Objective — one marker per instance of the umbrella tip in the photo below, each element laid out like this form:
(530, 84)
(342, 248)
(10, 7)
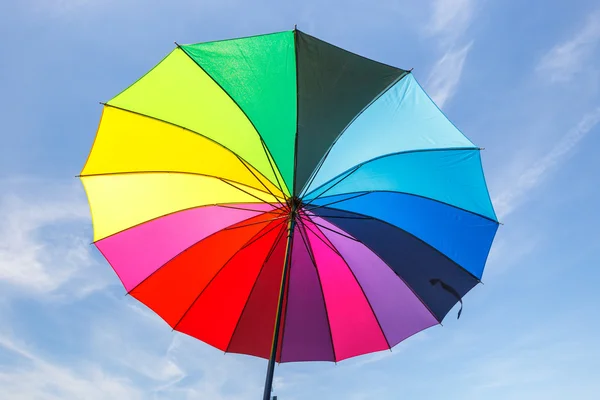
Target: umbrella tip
(295, 27)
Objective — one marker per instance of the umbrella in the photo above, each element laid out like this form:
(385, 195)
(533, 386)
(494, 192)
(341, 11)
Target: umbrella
(280, 197)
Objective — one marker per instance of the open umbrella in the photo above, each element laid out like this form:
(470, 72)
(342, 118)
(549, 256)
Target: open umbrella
(281, 197)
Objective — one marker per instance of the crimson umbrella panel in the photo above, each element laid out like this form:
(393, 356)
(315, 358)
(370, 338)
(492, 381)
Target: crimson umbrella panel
(281, 197)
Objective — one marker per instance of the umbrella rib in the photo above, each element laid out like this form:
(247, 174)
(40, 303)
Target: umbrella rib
(404, 193)
(402, 279)
(225, 205)
(279, 186)
(306, 227)
(353, 169)
(248, 193)
(340, 217)
(322, 160)
(261, 182)
(277, 240)
(267, 153)
(187, 209)
(337, 201)
(329, 229)
(181, 252)
(179, 173)
(262, 235)
(215, 276)
(314, 262)
(182, 127)
(255, 223)
(334, 185)
(359, 285)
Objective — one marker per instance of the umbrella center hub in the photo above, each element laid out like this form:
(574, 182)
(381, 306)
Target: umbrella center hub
(295, 204)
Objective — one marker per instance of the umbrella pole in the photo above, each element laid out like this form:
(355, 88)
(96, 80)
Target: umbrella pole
(271, 367)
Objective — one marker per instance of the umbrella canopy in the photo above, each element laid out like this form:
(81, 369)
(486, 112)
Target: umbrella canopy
(281, 197)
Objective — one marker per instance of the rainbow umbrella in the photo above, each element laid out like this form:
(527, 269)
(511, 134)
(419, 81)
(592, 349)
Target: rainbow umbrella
(281, 197)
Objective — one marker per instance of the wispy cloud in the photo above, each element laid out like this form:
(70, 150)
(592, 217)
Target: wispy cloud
(222, 377)
(567, 59)
(508, 200)
(33, 377)
(450, 19)
(147, 357)
(448, 24)
(35, 253)
(130, 357)
(445, 76)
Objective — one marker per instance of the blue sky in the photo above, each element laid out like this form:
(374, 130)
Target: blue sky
(521, 79)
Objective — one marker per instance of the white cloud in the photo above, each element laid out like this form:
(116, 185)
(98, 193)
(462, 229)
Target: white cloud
(44, 243)
(130, 357)
(509, 199)
(445, 76)
(167, 364)
(565, 60)
(450, 18)
(146, 357)
(34, 378)
(448, 24)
